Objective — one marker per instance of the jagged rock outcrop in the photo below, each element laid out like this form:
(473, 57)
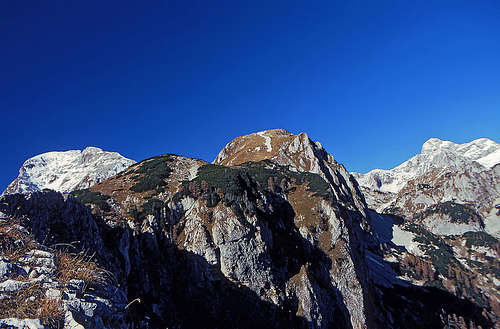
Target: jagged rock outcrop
(67, 171)
(49, 243)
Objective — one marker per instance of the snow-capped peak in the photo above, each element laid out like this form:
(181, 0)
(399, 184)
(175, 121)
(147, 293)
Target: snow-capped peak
(436, 153)
(434, 145)
(65, 171)
(473, 150)
(91, 150)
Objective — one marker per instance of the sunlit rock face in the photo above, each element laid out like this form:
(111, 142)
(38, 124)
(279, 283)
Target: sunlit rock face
(67, 171)
(298, 152)
(450, 188)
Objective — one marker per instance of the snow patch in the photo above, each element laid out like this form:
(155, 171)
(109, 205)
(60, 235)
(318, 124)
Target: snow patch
(267, 140)
(405, 239)
(444, 226)
(490, 160)
(492, 221)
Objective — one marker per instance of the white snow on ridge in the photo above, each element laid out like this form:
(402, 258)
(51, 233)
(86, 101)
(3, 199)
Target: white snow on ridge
(490, 160)
(405, 239)
(436, 153)
(267, 140)
(492, 221)
(67, 170)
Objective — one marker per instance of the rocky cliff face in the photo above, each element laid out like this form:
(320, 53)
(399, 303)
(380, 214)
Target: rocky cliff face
(275, 233)
(452, 201)
(50, 247)
(67, 171)
(438, 219)
(449, 188)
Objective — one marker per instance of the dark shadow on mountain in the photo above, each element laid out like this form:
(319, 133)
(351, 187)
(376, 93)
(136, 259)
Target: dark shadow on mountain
(180, 289)
(189, 292)
(409, 305)
(382, 226)
(204, 298)
(53, 219)
(428, 307)
(291, 252)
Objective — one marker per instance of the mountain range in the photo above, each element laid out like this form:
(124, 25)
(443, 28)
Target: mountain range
(435, 153)
(273, 233)
(460, 175)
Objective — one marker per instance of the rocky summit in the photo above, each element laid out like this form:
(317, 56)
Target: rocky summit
(275, 233)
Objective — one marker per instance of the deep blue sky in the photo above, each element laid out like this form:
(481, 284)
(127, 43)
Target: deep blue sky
(371, 80)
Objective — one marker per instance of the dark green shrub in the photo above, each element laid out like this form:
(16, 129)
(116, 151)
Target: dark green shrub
(251, 177)
(441, 259)
(151, 174)
(485, 267)
(480, 239)
(152, 207)
(86, 196)
(435, 283)
(458, 213)
(440, 253)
